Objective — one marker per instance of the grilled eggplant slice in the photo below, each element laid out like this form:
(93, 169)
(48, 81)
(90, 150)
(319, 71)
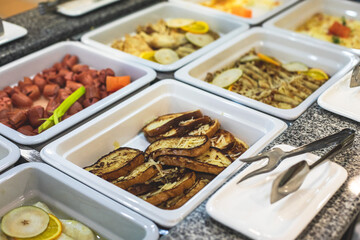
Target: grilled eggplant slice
(207, 129)
(237, 149)
(191, 146)
(213, 161)
(164, 123)
(117, 163)
(223, 140)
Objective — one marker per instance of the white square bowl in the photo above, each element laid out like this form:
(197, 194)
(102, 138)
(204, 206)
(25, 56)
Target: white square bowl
(9, 153)
(104, 36)
(29, 183)
(285, 48)
(259, 16)
(123, 123)
(29, 65)
(289, 20)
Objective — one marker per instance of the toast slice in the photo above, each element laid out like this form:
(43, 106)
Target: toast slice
(213, 161)
(191, 146)
(237, 149)
(117, 163)
(170, 190)
(182, 128)
(207, 129)
(222, 140)
(180, 200)
(139, 175)
(164, 123)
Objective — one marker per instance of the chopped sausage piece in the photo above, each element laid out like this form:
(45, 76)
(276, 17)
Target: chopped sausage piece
(17, 118)
(85, 78)
(92, 92)
(51, 106)
(35, 114)
(62, 95)
(88, 102)
(26, 130)
(78, 68)
(75, 108)
(3, 94)
(51, 90)
(32, 91)
(73, 86)
(27, 81)
(20, 100)
(40, 82)
(70, 61)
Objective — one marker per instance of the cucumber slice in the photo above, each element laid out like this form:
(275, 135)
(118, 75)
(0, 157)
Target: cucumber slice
(228, 77)
(199, 40)
(25, 222)
(166, 56)
(179, 22)
(295, 67)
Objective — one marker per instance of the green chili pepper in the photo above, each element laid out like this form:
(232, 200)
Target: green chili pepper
(61, 109)
(335, 39)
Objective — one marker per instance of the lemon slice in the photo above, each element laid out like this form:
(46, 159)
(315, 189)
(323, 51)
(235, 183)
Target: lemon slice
(179, 22)
(295, 67)
(25, 222)
(196, 27)
(52, 231)
(227, 78)
(149, 55)
(166, 56)
(199, 40)
(317, 74)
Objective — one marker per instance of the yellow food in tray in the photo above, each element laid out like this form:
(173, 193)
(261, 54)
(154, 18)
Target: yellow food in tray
(265, 79)
(340, 30)
(165, 42)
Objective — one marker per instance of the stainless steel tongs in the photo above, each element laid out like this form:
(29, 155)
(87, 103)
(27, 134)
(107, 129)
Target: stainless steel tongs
(275, 155)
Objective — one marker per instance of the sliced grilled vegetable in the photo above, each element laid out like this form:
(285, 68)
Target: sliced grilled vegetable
(249, 58)
(228, 77)
(295, 67)
(166, 56)
(179, 22)
(196, 27)
(25, 222)
(199, 40)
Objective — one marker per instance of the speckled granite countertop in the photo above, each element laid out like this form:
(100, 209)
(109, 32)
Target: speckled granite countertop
(47, 29)
(333, 220)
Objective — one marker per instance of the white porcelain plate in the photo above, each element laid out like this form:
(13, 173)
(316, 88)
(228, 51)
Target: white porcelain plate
(341, 99)
(246, 207)
(80, 7)
(11, 32)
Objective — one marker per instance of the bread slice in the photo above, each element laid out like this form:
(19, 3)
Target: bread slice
(182, 128)
(212, 161)
(207, 129)
(222, 140)
(164, 123)
(237, 149)
(170, 190)
(139, 175)
(190, 146)
(117, 163)
(180, 200)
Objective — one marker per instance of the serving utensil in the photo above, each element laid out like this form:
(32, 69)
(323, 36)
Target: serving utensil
(355, 77)
(29, 154)
(275, 155)
(1, 28)
(291, 179)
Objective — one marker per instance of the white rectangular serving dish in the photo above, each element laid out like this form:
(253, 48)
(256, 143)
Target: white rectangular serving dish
(246, 207)
(11, 32)
(104, 36)
(290, 19)
(123, 123)
(258, 17)
(9, 153)
(285, 48)
(341, 99)
(80, 7)
(29, 65)
(29, 183)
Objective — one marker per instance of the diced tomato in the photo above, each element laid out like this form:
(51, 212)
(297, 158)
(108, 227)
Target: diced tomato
(340, 30)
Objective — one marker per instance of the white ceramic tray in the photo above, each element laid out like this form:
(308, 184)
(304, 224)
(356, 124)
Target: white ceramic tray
(341, 99)
(287, 21)
(104, 36)
(246, 207)
(36, 62)
(11, 32)
(285, 48)
(9, 153)
(258, 15)
(123, 123)
(29, 183)
(80, 7)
